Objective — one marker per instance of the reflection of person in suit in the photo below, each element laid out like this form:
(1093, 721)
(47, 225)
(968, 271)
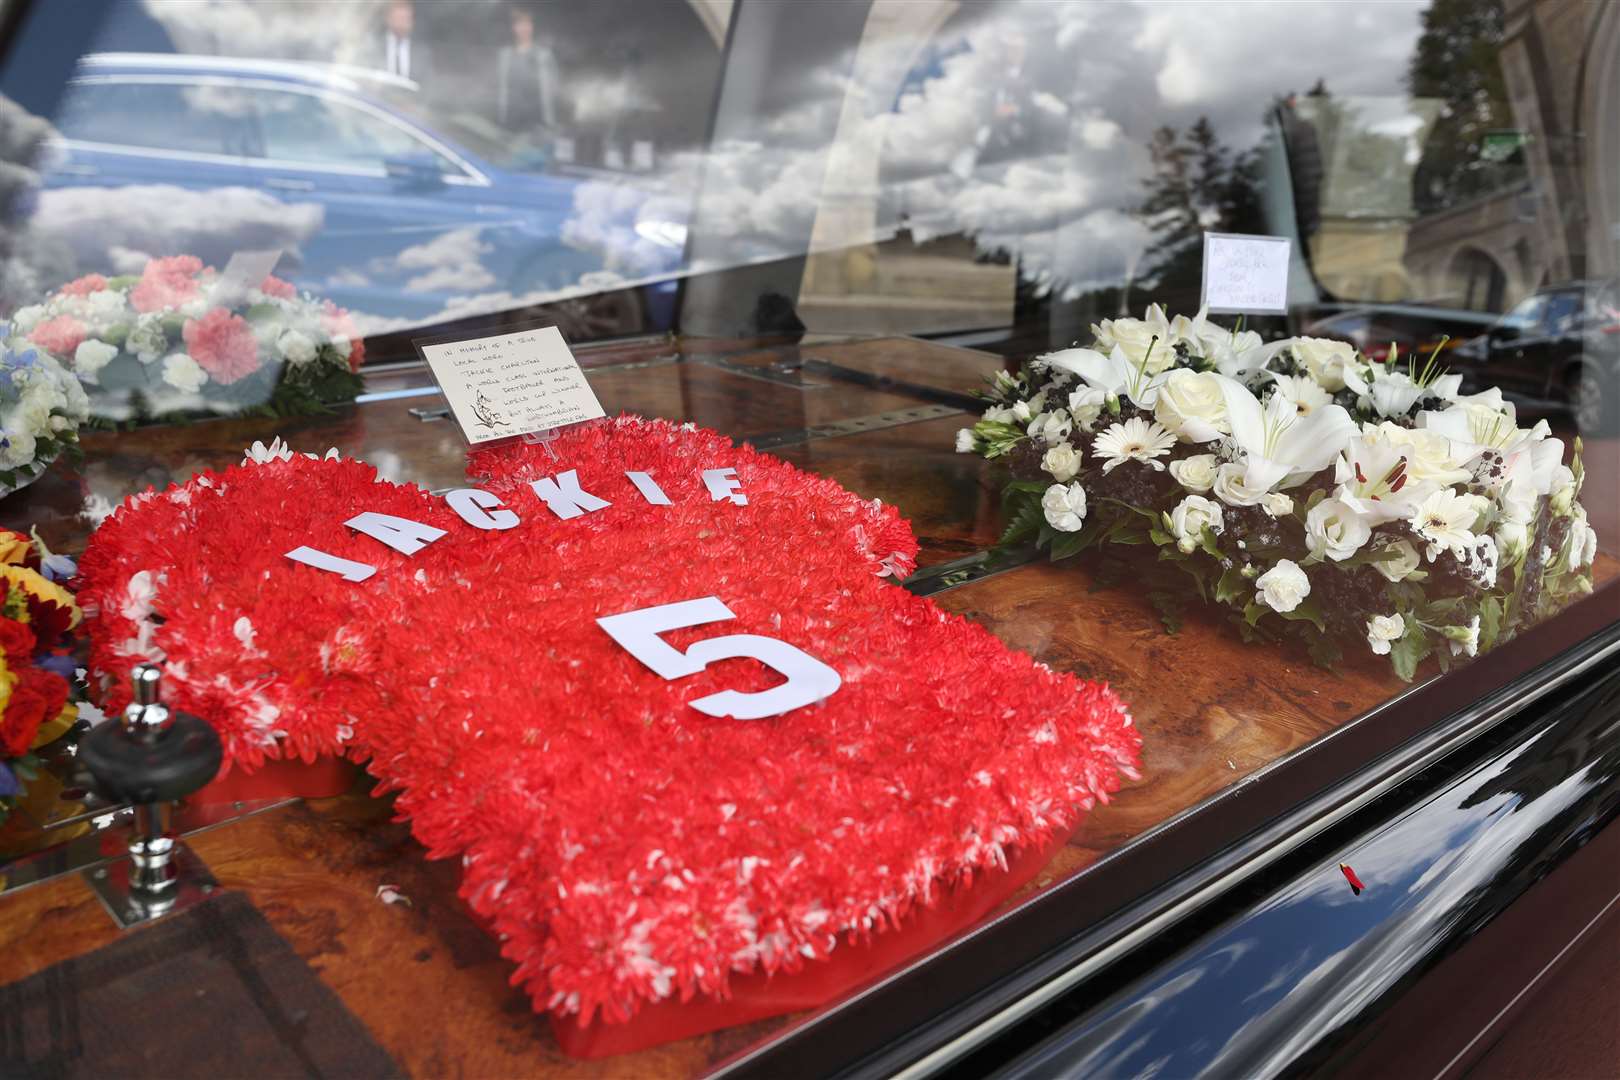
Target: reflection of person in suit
(1304, 152)
(526, 80)
(398, 50)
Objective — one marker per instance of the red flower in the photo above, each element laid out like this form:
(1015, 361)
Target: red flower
(84, 286)
(60, 335)
(166, 283)
(223, 344)
(16, 642)
(274, 286)
(38, 696)
(337, 323)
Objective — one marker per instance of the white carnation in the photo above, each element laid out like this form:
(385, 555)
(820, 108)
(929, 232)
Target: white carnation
(1065, 507)
(183, 373)
(1277, 504)
(964, 441)
(1284, 587)
(91, 356)
(1383, 631)
(26, 318)
(297, 347)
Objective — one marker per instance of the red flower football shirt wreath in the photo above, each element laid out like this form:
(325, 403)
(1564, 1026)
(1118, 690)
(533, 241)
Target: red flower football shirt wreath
(628, 848)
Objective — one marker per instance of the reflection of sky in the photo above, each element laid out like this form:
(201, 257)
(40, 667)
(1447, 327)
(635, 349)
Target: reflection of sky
(1023, 125)
(1316, 954)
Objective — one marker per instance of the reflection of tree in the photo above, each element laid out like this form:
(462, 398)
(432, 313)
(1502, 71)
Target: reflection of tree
(1458, 61)
(1198, 184)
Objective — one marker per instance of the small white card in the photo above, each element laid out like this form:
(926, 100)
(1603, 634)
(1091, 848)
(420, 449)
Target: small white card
(246, 270)
(511, 384)
(1246, 274)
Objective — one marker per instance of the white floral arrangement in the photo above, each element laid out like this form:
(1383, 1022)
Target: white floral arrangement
(1311, 491)
(180, 340)
(42, 406)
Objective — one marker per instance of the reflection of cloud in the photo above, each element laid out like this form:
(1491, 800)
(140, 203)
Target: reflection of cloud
(283, 30)
(604, 218)
(450, 260)
(489, 303)
(80, 230)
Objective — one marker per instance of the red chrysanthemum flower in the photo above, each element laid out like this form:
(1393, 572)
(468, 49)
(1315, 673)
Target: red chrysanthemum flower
(37, 697)
(223, 344)
(60, 336)
(16, 642)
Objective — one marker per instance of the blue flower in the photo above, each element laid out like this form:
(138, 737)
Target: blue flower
(9, 784)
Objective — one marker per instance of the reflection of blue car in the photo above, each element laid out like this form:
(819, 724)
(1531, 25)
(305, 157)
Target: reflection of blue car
(383, 209)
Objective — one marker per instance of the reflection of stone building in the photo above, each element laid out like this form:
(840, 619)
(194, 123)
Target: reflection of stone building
(1561, 60)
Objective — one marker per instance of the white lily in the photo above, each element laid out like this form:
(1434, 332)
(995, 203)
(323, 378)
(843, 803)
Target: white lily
(1113, 374)
(1281, 447)
(1476, 427)
(1375, 480)
(1392, 392)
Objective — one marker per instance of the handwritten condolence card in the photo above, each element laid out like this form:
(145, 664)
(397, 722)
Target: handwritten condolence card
(511, 384)
(1246, 274)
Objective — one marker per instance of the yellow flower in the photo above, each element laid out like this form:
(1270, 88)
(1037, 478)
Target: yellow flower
(36, 586)
(7, 681)
(13, 547)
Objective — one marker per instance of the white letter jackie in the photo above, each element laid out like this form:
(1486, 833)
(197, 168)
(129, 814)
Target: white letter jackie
(649, 488)
(565, 497)
(402, 534)
(808, 679)
(473, 505)
(320, 560)
(723, 484)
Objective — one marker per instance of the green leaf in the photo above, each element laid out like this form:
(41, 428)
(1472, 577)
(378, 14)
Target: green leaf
(1162, 538)
(1252, 612)
(1232, 586)
(1407, 653)
(1307, 611)
(1169, 606)
(1068, 544)
(1024, 524)
(1325, 652)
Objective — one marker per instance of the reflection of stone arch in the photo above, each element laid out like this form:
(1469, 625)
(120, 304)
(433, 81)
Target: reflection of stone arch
(1476, 279)
(1600, 123)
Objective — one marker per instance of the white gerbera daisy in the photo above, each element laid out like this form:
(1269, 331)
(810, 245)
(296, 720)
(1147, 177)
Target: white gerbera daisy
(1304, 392)
(1446, 520)
(1135, 439)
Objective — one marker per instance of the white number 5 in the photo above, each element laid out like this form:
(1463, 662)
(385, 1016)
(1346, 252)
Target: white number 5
(808, 679)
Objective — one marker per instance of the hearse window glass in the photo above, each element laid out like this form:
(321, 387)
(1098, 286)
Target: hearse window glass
(156, 116)
(317, 130)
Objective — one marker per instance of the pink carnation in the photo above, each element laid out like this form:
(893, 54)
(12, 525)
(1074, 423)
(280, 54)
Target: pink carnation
(166, 283)
(223, 344)
(274, 286)
(84, 286)
(60, 335)
(337, 323)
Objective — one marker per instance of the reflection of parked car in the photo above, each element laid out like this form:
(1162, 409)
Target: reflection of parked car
(1558, 345)
(1411, 328)
(414, 212)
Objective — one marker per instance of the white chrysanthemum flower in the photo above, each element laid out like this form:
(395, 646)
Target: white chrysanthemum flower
(1446, 520)
(1065, 507)
(1284, 587)
(1133, 440)
(1383, 631)
(260, 454)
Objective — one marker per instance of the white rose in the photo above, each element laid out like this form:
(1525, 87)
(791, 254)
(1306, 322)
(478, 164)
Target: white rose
(1196, 473)
(1383, 631)
(1563, 489)
(1283, 587)
(1191, 517)
(1334, 530)
(1231, 489)
(1399, 566)
(297, 347)
(183, 373)
(91, 356)
(1021, 412)
(1140, 339)
(1062, 461)
(1193, 406)
(1324, 359)
(1277, 504)
(964, 441)
(1065, 507)
(1051, 427)
(26, 318)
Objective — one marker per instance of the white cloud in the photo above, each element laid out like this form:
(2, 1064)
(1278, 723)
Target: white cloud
(451, 260)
